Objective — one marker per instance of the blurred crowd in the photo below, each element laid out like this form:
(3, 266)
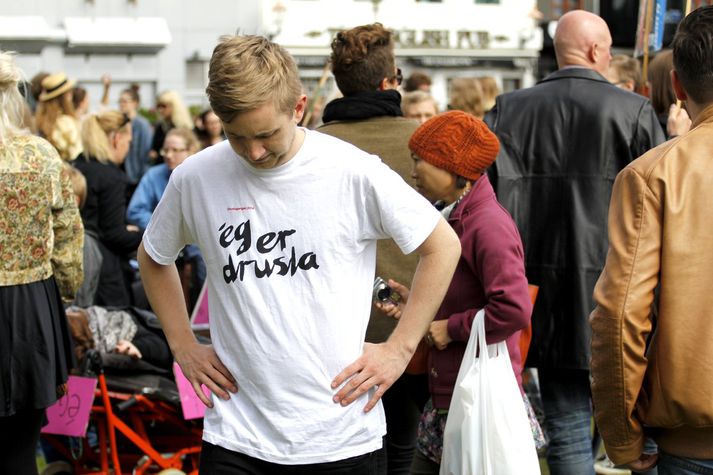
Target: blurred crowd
(107, 170)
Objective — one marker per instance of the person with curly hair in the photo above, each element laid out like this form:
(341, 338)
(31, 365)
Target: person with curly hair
(370, 117)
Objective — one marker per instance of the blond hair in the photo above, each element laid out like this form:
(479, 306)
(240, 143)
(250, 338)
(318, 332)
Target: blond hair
(416, 97)
(49, 111)
(96, 131)
(247, 72)
(12, 105)
(490, 91)
(466, 95)
(79, 184)
(628, 69)
(180, 117)
(190, 139)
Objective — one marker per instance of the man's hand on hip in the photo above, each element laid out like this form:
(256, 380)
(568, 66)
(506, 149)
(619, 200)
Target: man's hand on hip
(201, 365)
(379, 366)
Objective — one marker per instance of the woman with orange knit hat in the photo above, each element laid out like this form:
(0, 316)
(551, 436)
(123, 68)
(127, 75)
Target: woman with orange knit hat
(451, 153)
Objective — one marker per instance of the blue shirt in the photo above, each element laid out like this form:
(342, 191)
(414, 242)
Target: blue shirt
(137, 160)
(147, 195)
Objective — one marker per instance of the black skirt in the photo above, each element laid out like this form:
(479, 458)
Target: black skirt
(35, 346)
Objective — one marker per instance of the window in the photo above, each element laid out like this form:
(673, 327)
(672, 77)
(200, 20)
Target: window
(196, 74)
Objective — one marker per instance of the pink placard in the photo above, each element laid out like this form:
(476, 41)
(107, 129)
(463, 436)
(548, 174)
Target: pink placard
(70, 414)
(192, 407)
(199, 318)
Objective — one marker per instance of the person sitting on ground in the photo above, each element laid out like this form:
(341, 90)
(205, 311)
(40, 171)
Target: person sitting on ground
(129, 332)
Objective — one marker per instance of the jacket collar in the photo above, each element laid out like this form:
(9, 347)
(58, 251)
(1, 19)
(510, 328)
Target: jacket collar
(706, 115)
(575, 72)
(481, 191)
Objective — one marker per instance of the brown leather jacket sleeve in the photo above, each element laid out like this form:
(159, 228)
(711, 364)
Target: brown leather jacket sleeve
(621, 321)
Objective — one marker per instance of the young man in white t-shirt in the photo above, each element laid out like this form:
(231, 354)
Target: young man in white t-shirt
(287, 220)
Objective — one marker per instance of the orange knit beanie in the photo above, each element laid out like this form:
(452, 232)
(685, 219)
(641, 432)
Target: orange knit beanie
(457, 142)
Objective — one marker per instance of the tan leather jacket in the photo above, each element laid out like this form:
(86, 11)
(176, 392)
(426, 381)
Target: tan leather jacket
(652, 372)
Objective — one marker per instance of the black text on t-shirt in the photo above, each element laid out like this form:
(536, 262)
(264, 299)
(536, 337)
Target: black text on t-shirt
(264, 244)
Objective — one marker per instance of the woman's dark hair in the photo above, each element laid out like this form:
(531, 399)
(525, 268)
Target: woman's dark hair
(133, 93)
(659, 76)
(78, 95)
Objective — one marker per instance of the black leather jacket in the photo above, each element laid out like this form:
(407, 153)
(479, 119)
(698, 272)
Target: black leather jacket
(563, 142)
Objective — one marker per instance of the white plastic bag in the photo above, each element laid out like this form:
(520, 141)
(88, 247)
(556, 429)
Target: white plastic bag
(487, 431)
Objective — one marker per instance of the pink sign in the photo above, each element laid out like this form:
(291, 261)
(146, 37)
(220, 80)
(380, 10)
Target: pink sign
(70, 414)
(199, 317)
(193, 408)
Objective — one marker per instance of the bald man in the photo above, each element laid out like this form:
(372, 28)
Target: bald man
(563, 143)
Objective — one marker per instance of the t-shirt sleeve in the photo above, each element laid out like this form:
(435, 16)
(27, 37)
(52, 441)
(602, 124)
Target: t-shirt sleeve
(396, 210)
(166, 233)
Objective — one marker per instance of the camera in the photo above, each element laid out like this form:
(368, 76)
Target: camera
(383, 293)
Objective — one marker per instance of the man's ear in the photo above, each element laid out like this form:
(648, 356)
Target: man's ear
(593, 53)
(300, 108)
(681, 94)
(385, 84)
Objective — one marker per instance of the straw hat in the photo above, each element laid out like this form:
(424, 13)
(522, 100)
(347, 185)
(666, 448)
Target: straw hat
(55, 85)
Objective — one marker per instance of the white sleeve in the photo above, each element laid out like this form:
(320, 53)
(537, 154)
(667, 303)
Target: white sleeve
(396, 210)
(166, 233)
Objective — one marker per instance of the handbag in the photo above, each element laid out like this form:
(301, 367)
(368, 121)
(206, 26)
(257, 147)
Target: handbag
(487, 430)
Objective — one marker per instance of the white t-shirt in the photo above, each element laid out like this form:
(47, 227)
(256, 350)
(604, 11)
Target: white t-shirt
(290, 257)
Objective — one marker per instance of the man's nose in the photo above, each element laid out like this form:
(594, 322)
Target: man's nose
(255, 150)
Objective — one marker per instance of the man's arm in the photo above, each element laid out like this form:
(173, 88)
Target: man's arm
(199, 363)
(380, 365)
(621, 321)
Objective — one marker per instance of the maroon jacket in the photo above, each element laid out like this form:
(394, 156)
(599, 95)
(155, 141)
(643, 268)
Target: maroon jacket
(490, 275)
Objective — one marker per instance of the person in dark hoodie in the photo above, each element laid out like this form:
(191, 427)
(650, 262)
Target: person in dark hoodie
(369, 116)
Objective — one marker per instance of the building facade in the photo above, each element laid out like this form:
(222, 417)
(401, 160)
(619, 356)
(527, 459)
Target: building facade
(166, 44)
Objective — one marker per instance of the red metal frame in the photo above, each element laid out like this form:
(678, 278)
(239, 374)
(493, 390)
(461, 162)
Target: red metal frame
(183, 445)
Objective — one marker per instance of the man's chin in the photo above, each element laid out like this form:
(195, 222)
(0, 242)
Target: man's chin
(264, 163)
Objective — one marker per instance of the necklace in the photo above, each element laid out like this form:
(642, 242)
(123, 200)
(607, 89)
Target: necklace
(447, 210)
